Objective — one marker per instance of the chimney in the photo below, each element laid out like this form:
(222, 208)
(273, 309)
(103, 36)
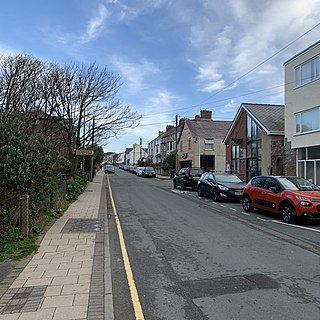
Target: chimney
(181, 122)
(206, 114)
(197, 118)
(168, 127)
(160, 133)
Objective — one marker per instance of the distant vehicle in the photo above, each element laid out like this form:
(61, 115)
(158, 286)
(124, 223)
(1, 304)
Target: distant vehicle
(291, 197)
(148, 172)
(126, 167)
(132, 169)
(139, 171)
(108, 168)
(220, 185)
(187, 177)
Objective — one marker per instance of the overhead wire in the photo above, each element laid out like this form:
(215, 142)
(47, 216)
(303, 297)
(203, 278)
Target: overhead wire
(201, 103)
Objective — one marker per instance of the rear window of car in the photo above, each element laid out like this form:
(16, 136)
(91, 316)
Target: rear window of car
(149, 169)
(196, 171)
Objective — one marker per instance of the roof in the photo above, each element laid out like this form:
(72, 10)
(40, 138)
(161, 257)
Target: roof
(128, 150)
(270, 117)
(302, 52)
(171, 131)
(208, 128)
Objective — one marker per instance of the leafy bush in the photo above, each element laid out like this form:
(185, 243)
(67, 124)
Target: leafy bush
(76, 185)
(169, 162)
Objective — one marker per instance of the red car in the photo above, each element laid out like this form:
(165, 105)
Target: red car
(292, 197)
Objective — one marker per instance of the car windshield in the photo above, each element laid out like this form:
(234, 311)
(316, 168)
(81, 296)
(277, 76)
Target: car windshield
(226, 178)
(109, 166)
(295, 183)
(149, 169)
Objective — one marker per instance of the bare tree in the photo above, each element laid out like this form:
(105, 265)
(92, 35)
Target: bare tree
(76, 105)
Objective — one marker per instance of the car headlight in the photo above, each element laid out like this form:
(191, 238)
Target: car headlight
(305, 204)
(223, 188)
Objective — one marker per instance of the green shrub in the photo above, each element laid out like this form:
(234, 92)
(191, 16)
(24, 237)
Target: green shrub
(76, 185)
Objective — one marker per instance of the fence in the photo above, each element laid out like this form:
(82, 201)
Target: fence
(26, 209)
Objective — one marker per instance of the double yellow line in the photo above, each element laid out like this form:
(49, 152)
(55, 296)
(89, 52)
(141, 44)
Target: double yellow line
(132, 286)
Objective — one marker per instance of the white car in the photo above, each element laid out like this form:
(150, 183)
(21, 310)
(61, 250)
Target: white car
(139, 171)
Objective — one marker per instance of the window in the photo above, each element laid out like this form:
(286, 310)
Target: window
(307, 72)
(258, 182)
(208, 144)
(308, 121)
(254, 143)
(180, 145)
(235, 161)
(189, 143)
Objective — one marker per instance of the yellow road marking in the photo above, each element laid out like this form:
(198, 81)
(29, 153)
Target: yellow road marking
(133, 290)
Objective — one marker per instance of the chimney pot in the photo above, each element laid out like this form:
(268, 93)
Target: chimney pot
(206, 114)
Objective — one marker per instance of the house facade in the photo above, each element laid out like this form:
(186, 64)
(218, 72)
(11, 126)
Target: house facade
(154, 149)
(136, 154)
(302, 112)
(254, 141)
(200, 142)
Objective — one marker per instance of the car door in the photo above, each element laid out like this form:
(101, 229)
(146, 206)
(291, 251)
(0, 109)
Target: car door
(205, 184)
(179, 176)
(211, 182)
(272, 195)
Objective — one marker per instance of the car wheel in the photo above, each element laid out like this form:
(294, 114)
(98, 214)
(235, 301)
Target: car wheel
(247, 204)
(215, 194)
(183, 186)
(199, 190)
(288, 213)
(174, 184)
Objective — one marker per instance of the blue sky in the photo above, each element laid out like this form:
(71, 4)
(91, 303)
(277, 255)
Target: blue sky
(173, 56)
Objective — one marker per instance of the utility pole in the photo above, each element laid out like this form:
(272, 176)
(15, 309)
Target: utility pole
(93, 125)
(140, 150)
(176, 144)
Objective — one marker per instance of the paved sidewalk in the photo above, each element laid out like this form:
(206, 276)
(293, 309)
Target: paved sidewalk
(70, 276)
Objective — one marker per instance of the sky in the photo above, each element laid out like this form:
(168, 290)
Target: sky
(174, 57)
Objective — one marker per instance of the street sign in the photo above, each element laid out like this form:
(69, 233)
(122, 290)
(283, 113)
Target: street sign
(84, 152)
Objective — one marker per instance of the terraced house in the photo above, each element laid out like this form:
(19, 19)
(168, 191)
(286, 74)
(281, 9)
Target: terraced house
(200, 142)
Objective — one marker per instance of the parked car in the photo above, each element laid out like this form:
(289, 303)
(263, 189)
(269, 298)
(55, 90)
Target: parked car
(187, 178)
(148, 172)
(139, 171)
(108, 168)
(292, 197)
(220, 185)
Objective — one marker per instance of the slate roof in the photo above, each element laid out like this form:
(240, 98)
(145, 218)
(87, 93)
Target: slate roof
(170, 132)
(208, 128)
(270, 116)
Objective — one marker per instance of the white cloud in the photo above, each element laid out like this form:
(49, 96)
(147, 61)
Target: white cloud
(95, 25)
(224, 50)
(135, 75)
(230, 107)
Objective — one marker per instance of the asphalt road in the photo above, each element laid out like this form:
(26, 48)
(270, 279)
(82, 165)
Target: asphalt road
(193, 258)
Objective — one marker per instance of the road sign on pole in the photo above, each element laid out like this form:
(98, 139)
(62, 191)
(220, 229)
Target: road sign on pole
(84, 152)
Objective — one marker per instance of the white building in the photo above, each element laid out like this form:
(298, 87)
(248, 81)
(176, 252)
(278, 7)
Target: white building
(302, 111)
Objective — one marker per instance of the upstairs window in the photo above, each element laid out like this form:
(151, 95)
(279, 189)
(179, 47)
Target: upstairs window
(308, 121)
(208, 144)
(308, 72)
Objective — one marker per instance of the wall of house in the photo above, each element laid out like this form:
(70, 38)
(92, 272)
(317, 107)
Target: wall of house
(190, 152)
(239, 131)
(272, 150)
(299, 99)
